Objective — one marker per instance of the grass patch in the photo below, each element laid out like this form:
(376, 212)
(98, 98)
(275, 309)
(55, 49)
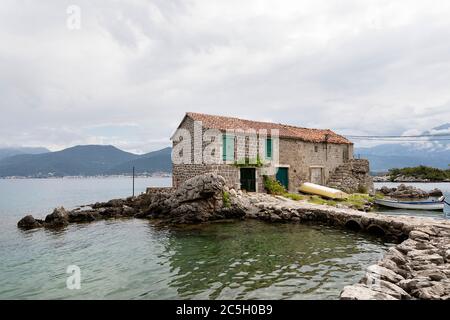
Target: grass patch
(293, 196)
(356, 201)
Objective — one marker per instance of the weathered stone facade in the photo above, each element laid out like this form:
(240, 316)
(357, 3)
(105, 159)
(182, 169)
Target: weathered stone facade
(305, 161)
(352, 176)
(302, 158)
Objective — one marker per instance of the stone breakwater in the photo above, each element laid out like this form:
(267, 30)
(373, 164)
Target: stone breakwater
(417, 268)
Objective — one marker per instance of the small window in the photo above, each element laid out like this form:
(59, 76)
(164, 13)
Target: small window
(268, 148)
(228, 147)
(316, 148)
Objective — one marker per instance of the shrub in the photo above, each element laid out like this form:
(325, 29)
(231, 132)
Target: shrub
(273, 186)
(226, 199)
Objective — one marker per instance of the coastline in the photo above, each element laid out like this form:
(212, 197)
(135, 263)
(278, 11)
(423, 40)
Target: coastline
(159, 175)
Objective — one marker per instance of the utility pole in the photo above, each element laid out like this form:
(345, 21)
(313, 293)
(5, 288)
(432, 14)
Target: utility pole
(133, 181)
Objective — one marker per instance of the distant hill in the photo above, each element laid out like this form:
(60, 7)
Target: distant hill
(156, 161)
(86, 160)
(399, 155)
(9, 152)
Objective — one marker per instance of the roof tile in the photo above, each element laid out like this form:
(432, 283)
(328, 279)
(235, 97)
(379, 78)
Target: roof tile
(286, 131)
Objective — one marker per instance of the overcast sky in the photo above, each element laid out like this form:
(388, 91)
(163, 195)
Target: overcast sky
(134, 67)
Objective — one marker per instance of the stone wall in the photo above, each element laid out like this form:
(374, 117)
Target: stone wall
(300, 156)
(352, 176)
(183, 172)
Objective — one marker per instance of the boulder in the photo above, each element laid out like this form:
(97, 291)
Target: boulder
(58, 218)
(435, 193)
(384, 274)
(28, 222)
(362, 292)
(202, 198)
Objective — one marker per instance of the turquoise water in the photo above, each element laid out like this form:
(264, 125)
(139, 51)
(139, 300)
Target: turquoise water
(135, 259)
(444, 187)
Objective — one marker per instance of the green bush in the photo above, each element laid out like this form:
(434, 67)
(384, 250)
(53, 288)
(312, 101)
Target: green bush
(273, 186)
(226, 199)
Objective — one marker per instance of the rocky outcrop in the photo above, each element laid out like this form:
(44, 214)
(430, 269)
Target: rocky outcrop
(418, 268)
(199, 199)
(352, 176)
(202, 198)
(408, 192)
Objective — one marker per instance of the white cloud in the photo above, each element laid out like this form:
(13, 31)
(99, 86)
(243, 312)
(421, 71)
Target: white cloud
(359, 67)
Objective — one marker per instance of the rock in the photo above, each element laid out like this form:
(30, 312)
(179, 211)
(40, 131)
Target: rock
(83, 216)
(391, 265)
(58, 218)
(433, 292)
(406, 246)
(128, 211)
(403, 191)
(433, 274)
(435, 193)
(396, 256)
(418, 235)
(362, 292)
(433, 258)
(408, 284)
(28, 222)
(274, 217)
(390, 289)
(383, 274)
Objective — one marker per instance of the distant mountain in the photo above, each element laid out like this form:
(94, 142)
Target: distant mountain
(9, 152)
(86, 160)
(430, 153)
(156, 161)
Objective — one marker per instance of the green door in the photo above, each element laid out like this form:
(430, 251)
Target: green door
(248, 179)
(282, 177)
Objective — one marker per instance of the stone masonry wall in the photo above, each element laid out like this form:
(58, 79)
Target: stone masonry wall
(352, 176)
(300, 156)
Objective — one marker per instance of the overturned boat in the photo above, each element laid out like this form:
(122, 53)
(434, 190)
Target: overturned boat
(413, 205)
(319, 190)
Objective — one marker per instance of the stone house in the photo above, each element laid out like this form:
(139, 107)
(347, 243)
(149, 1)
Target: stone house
(292, 155)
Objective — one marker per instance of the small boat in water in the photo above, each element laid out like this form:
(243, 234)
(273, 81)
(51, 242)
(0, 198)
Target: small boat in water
(413, 205)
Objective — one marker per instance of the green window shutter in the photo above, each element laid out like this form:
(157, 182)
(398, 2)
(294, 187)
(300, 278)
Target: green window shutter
(268, 148)
(228, 148)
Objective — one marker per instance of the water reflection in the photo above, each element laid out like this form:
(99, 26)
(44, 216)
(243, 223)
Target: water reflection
(251, 259)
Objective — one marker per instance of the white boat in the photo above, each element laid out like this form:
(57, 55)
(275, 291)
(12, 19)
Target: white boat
(414, 205)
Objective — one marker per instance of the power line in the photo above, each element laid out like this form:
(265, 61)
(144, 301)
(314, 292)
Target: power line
(407, 136)
(397, 140)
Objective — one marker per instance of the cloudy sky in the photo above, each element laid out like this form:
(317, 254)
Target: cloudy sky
(132, 69)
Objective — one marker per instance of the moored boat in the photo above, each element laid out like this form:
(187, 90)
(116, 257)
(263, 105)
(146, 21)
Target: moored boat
(413, 205)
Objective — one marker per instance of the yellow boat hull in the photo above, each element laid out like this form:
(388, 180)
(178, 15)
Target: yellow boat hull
(319, 190)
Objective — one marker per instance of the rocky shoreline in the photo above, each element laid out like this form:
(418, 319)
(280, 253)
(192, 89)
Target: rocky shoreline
(417, 268)
(409, 192)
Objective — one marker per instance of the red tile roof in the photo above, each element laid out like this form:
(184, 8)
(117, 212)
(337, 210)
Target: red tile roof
(285, 131)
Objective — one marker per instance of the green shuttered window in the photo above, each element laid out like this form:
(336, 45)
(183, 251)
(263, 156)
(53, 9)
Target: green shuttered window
(228, 147)
(268, 148)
